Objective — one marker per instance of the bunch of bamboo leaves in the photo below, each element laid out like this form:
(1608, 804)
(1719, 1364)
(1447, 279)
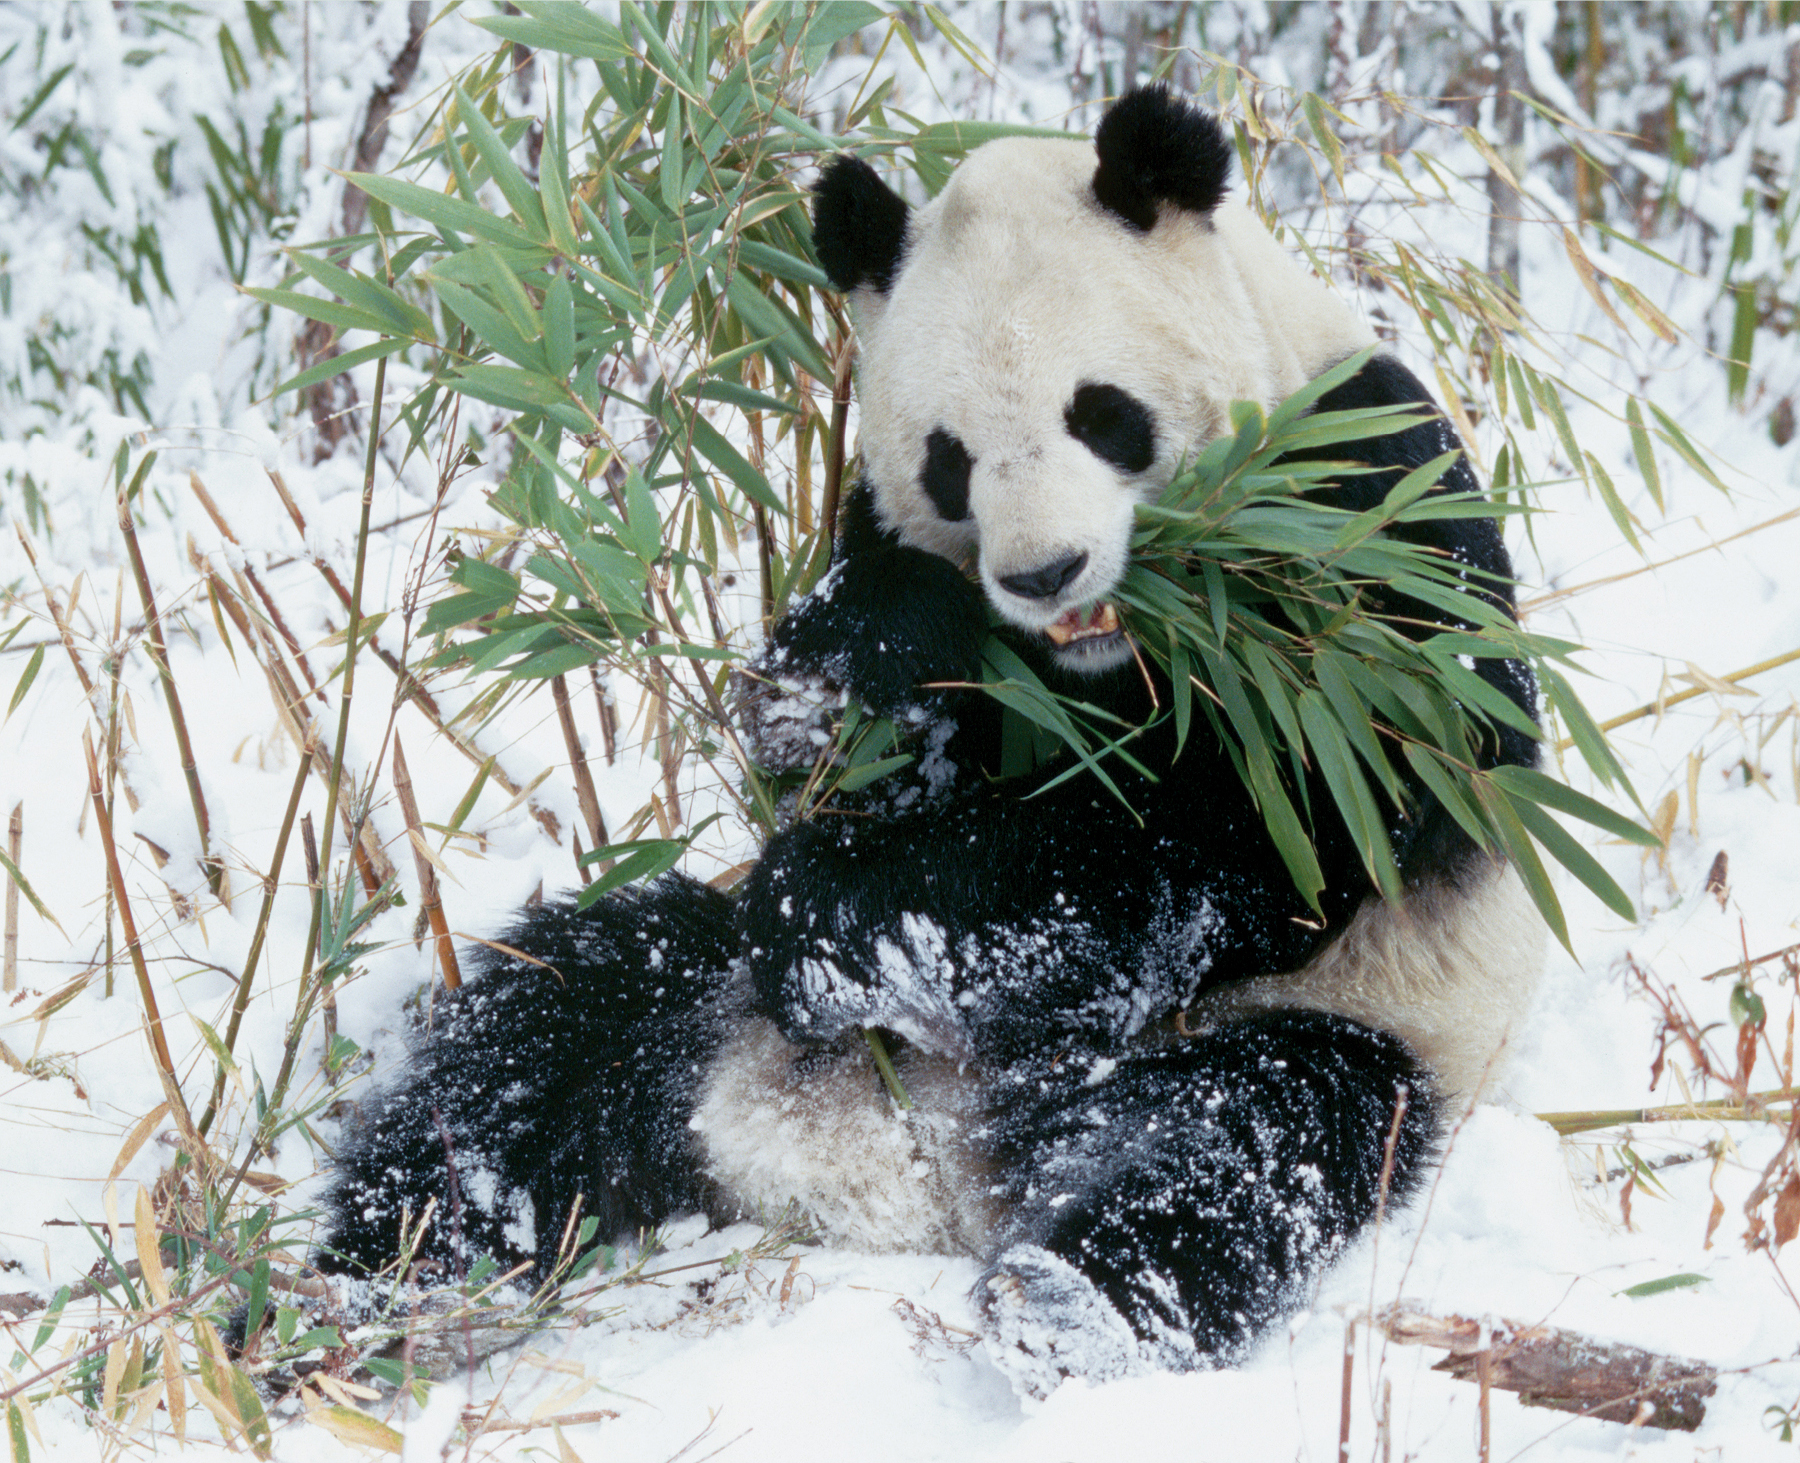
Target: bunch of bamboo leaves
(1252, 598)
(648, 309)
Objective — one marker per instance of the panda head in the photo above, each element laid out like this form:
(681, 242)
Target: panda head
(1044, 342)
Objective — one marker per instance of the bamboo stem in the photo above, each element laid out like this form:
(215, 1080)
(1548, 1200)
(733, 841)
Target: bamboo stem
(838, 449)
(256, 585)
(429, 895)
(1753, 1108)
(116, 877)
(411, 687)
(159, 653)
(1659, 706)
(354, 607)
(15, 844)
(270, 885)
(584, 779)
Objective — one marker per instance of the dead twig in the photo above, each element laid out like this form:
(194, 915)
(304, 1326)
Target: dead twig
(15, 847)
(1564, 1370)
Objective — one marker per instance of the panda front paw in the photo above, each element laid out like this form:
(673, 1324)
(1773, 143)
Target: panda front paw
(1045, 1321)
(788, 717)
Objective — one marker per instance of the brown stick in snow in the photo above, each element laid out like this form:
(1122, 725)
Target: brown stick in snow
(1550, 1367)
(429, 896)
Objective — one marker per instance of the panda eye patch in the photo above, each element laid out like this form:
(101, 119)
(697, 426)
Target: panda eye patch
(1112, 424)
(946, 475)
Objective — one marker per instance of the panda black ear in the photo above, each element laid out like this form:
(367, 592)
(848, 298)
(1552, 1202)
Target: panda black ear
(859, 225)
(1155, 148)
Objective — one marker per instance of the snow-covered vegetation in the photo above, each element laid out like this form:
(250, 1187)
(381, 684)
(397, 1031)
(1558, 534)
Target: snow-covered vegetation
(230, 599)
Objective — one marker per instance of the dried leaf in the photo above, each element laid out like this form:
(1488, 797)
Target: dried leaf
(149, 1252)
(1712, 1223)
(136, 1138)
(1787, 1211)
(1715, 878)
(350, 1426)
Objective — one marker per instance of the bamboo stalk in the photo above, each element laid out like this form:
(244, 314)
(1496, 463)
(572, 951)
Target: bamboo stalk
(1658, 707)
(256, 585)
(159, 651)
(242, 999)
(585, 794)
(373, 864)
(838, 449)
(116, 878)
(429, 895)
(335, 784)
(411, 687)
(1754, 1108)
(15, 842)
(609, 721)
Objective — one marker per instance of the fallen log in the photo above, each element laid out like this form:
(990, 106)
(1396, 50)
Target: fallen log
(1550, 1367)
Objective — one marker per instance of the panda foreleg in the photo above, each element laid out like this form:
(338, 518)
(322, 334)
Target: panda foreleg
(1165, 1209)
(569, 1072)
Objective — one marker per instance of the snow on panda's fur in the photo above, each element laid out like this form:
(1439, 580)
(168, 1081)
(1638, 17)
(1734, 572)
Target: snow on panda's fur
(1151, 1092)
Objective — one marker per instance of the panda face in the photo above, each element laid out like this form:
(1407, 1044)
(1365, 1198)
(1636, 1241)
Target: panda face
(1042, 346)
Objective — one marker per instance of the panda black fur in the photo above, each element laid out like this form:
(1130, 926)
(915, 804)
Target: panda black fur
(1152, 1093)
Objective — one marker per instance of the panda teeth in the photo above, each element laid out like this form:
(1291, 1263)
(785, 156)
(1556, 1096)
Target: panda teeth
(1096, 623)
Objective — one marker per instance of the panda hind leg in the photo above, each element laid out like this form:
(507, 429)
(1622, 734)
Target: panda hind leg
(1165, 1208)
(568, 1070)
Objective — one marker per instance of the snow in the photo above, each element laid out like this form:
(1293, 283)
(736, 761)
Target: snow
(842, 1353)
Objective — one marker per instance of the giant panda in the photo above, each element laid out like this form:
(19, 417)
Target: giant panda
(1152, 1092)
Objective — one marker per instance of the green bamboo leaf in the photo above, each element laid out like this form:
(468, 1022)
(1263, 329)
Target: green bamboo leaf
(572, 30)
(326, 312)
(559, 328)
(14, 873)
(490, 327)
(1573, 857)
(1529, 783)
(337, 365)
(1517, 846)
(1643, 451)
(29, 675)
(451, 215)
(493, 152)
(711, 445)
(402, 316)
(1678, 439)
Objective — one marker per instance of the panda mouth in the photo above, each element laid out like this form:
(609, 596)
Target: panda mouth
(1091, 627)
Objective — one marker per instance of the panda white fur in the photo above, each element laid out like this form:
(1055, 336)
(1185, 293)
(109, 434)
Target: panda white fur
(1150, 1091)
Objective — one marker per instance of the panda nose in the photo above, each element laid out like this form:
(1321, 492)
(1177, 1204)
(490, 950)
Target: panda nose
(1047, 582)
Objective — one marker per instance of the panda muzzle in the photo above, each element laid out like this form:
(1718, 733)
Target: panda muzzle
(1096, 622)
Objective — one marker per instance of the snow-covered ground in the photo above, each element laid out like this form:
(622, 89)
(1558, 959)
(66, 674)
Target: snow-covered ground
(819, 1353)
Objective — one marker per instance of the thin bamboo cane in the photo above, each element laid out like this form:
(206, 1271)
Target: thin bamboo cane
(214, 868)
(250, 576)
(270, 885)
(15, 846)
(429, 895)
(585, 793)
(116, 877)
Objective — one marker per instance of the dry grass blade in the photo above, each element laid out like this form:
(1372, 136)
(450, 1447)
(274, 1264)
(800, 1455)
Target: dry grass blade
(429, 895)
(116, 876)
